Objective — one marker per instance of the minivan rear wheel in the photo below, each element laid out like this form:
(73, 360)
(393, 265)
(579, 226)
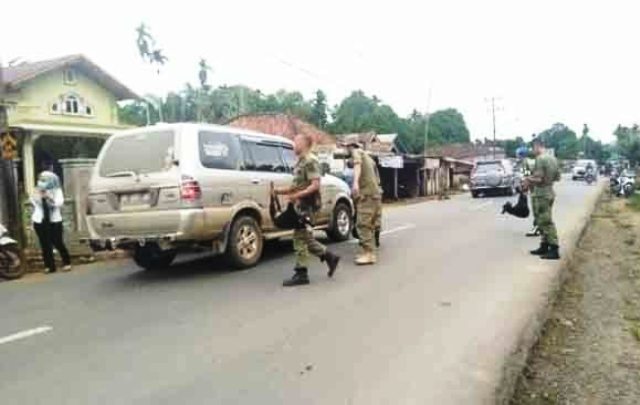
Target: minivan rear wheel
(245, 243)
(342, 223)
(151, 257)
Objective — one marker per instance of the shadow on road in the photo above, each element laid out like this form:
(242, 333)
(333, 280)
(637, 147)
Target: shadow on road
(202, 266)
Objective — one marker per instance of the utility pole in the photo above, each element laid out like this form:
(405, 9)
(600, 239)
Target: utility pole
(493, 119)
(493, 113)
(426, 124)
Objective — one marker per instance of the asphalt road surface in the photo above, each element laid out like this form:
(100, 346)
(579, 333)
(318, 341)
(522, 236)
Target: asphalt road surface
(430, 324)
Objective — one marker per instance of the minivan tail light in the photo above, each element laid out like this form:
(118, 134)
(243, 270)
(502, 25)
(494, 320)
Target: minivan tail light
(190, 189)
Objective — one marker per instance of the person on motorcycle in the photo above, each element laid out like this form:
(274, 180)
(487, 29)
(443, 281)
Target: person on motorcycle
(590, 173)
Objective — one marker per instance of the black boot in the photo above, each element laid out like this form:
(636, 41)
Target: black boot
(553, 253)
(377, 236)
(543, 249)
(300, 278)
(332, 261)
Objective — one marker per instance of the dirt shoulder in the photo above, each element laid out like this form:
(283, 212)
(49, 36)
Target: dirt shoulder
(589, 352)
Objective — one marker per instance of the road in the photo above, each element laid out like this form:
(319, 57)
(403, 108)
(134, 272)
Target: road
(430, 324)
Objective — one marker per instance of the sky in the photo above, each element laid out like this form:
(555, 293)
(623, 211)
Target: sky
(542, 61)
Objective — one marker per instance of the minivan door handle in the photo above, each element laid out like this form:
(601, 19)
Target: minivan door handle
(256, 181)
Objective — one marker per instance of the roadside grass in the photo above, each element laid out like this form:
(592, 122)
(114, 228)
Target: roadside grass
(635, 330)
(634, 202)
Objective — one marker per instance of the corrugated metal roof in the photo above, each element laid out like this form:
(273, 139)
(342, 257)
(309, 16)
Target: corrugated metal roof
(281, 124)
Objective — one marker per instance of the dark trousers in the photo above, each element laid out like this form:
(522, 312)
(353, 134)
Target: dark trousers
(50, 236)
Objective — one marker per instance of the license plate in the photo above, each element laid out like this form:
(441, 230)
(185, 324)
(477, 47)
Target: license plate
(134, 200)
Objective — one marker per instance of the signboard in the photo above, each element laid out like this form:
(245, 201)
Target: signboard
(393, 162)
(431, 164)
(9, 145)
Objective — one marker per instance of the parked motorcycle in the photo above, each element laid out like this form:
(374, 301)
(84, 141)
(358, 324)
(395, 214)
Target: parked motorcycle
(9, 256)
(623, 185)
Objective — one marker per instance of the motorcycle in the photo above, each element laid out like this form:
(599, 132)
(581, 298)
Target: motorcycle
(10, 266)
(623, 185)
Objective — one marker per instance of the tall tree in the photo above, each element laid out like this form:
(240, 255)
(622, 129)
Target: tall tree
(563, 140)
(148, 51)
(448, 126)
(360, 113)
(319, 110)
(628, 142)
(144, 41)
(203, 73)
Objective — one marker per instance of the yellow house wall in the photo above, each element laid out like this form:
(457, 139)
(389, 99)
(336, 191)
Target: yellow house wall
(34, 99)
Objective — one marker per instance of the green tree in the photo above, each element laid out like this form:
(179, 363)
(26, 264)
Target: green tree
(511, 145)
(203, 73)
(448, 126)
(135, 113)
(360, 113)
(319, 110)
(628, 142)
(149, 53)
(563, 140)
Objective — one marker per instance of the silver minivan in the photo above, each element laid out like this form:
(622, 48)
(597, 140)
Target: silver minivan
(168, 188)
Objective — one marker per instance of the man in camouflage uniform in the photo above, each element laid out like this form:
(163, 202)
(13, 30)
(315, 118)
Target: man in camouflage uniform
(304, 192)
(367, 193)
(546, 172)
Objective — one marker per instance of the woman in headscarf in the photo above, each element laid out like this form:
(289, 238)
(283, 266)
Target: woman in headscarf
(47, 220)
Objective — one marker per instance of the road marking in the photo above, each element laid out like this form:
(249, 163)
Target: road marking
(389, 231)
(481, 206)
(397, 229)
(25, 334)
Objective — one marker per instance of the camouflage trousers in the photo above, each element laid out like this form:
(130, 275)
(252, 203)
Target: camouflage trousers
(304, 245)
(543, 214)
(369, 219)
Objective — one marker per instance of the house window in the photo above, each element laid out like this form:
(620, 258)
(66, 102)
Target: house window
(70, 76)
(71, 105)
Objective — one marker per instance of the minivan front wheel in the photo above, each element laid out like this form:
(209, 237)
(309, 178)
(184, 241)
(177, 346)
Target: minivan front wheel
(151, 257)
(245, 243)
(342, 223)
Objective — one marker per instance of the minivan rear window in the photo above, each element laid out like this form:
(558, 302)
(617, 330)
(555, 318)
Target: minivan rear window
(140, 153)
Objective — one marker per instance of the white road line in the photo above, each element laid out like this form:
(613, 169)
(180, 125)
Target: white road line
(481, 206)
(25, 334)
(397, 229)
(389, 231)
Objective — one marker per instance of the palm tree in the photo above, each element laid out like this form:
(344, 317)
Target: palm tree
(144, 41)
(149, 53)
(203, 74)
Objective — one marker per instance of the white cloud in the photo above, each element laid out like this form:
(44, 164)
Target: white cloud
(547, 61)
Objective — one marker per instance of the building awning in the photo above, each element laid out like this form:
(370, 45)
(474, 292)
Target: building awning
(70, 130)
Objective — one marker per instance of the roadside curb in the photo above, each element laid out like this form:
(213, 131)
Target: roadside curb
(517, 359)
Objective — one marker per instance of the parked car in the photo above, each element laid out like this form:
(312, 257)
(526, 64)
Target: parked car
(580, 168)
(168, 188)
(494, 176)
